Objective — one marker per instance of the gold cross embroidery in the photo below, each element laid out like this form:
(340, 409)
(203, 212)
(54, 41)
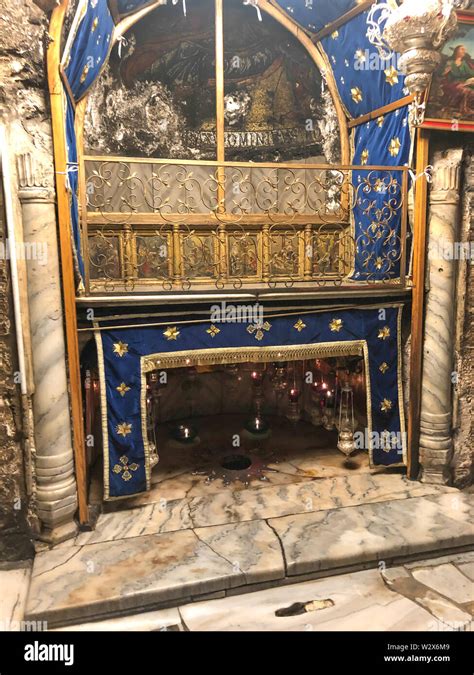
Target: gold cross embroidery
(299, 325)
(258, 329)
(124, 468)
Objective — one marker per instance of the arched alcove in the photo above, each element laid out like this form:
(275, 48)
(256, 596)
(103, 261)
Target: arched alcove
(157, 95)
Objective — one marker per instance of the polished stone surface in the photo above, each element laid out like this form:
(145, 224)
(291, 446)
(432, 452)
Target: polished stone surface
(14, 589)
(330, 539)
(161, 620)
(447, 580)
(83, 582)
(148, 571)
(361, 602)
(272, 501)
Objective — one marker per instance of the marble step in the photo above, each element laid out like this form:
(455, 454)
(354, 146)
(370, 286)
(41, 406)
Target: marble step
(72, 584)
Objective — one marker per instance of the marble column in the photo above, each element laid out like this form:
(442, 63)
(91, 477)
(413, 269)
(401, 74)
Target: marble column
(56, 484)
(436, 442)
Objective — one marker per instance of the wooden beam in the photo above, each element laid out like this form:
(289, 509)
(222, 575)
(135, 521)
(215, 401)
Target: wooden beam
(57, 99)
(381, 111)
(418, 298)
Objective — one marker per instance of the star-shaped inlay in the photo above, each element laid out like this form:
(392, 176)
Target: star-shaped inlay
(391, 76)
(335, 325)
(122, 389)
(394, 147)
(386, 405)
(364, 156)
(299, 325)
(383, 367)
(384, 333)
(356, 94)
(120, 348)
(213, 330)
(123, 429)
(171, 333)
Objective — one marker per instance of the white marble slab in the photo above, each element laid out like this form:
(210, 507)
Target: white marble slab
(448, 581)
(98, 579)
(330, 539)
(272, 501)
(361, 602)
(14, 589)
(161, 620)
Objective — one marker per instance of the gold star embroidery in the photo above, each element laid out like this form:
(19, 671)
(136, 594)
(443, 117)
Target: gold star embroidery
(384, 333)
(171, 333)
(125, 468)
(95, 23)
(122, 389)
(299, 325)
(84, 74)
(258, 329)
(394, 147)
(380, 120)
(213, 330)
(364, 156)
(335, 325)
(120, 348)
(360, 55)
(123, 429)
(383, 367)
(335, 35)
(356, 94)
(386, 405)
(391, 76)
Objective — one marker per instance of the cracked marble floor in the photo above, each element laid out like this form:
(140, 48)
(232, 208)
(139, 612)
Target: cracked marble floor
(427, 595)
(188, 541)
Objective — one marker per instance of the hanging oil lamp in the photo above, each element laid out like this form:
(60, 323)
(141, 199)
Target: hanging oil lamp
(328, 414)
(256, 424)
(293, 411)
(346, 423)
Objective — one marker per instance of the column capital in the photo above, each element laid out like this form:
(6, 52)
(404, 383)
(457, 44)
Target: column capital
(446, 176)
(33, 183)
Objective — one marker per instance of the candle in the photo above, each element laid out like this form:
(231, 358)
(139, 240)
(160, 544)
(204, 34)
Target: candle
(294, 395)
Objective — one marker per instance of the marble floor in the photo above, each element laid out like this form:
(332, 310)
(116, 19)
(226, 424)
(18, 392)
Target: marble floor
(426, 595)
(293, 453)
(192, 539)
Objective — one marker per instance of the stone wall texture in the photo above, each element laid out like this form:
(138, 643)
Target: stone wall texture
(23, 110)
(463, 459)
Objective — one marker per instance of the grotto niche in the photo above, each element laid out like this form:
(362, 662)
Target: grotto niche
(156, 97)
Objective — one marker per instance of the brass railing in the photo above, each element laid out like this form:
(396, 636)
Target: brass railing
(154, 225)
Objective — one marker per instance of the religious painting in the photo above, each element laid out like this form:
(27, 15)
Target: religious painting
(450, 102)
(159, 93)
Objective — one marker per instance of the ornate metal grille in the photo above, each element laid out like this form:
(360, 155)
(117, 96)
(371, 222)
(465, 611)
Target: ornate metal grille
(154, 225)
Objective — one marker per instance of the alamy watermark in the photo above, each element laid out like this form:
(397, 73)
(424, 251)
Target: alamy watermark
(451, 250)
(226, 312)
(37, 250)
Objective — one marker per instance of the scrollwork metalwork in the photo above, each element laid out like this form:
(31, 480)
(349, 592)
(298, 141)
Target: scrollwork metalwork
(181, 225)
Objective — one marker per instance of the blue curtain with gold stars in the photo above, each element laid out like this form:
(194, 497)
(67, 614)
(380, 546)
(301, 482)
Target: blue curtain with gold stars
(82, 63)
(366, 82)
(121, 352)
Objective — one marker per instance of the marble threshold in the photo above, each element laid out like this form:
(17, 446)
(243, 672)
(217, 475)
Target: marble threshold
(147, 572)
(256, 503)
